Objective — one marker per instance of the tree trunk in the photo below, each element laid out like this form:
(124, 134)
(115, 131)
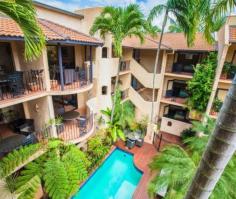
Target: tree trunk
(220, 149)
(155, 66)
(115, 89)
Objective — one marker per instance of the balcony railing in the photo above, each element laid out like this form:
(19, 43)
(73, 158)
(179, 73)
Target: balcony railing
(70, 79)
(20, 83)
(70, 130)
(181, 68)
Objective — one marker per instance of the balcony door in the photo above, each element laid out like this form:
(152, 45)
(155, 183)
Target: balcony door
(6, 59)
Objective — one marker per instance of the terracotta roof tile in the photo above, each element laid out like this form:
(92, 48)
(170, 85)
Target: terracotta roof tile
(175, 41)
(52, 31)
(134, 42)
(232, 33)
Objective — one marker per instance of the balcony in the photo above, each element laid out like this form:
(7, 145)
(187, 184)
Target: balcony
(70, 79)
(16, 130)
(19, 86)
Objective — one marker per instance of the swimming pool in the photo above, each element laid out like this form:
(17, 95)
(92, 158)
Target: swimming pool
(116, 178)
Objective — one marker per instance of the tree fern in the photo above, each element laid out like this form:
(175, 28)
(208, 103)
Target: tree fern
(17, 158)
(29, 189)
(56, 180)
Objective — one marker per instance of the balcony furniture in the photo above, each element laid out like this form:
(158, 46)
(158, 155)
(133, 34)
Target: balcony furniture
(16, 85)
(82, 121)
(15, 142)
(139, 142)
(183, 94)
(3, 86)
(169, 93)
(130, 143)
(69, 76)
(188, 68)
(177, 67)
(60, 128)
(23, 126)
(70, 115)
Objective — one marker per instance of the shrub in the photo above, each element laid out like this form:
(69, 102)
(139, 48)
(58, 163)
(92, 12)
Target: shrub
(200, 86)
(187, 133)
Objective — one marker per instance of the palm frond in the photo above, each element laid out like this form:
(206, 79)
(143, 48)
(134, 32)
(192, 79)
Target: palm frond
(156, 11)
(24, 14)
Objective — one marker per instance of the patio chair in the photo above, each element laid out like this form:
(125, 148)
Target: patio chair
(82, 122)
(16, 85)
(169, 93)
(130, 143)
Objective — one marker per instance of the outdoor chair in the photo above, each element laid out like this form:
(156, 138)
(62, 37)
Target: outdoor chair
(130, 143)
(169, 93)
(16, 83)
(82, 125)
(139, 142)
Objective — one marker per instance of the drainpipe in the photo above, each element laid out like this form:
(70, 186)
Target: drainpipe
(60, 66)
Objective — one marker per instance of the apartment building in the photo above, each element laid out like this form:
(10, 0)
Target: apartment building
(58, 83)
(75, 75)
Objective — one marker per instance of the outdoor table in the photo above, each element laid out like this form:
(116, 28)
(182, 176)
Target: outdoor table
(70, 115)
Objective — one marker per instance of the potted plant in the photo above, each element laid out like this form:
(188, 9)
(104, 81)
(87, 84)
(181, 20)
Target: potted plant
(34, 86)
(217, 104)
(53, 81)
(226, 70)
(195, 115)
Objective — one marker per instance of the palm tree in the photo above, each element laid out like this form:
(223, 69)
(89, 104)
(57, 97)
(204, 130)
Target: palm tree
(220, 149)
(177, 166)
(120, 22)
(174, 26)
(184, 12)
(24, 14)
(123, 117)
(59, 171)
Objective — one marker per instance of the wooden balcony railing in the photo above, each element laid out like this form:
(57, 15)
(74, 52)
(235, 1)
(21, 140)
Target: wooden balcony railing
(70, 79)
(20, 83)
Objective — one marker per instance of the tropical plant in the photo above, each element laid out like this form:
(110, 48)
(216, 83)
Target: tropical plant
(221, 148)
(200, 86)
(24, 14)
(174, 26)
(123, 117)
(58, 171)
(120, 22)
(184, 13)
(187, 133)
(217, 104)
(177, 167)
(97, 149)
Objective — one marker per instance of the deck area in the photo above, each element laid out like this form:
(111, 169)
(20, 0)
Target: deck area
(142, 157)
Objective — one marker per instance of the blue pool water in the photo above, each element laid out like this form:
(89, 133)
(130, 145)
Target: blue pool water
(116, 178)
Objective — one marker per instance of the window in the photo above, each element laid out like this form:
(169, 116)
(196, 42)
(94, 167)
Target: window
(104, 90)
(104, 52)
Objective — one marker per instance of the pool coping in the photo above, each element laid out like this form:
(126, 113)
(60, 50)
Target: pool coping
(113, 148)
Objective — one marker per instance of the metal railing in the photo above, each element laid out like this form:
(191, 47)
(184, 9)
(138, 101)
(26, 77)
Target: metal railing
(72, 78)
(19, 83)
(69, 130)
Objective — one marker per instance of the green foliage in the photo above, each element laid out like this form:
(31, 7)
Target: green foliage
(59, 170)
(121, 22)
(123, 117)
(10, 162)
(24, 14)
(187, 133)
(217, 104)
(96, 150)
(200, 86)
(179, 166)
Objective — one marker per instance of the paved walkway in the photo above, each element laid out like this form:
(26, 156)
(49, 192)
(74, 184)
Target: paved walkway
(142, 157)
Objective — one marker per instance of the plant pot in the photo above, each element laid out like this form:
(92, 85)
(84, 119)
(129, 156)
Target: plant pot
(53, 83)
(195, 115)
(34, 86)
(223, 76)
